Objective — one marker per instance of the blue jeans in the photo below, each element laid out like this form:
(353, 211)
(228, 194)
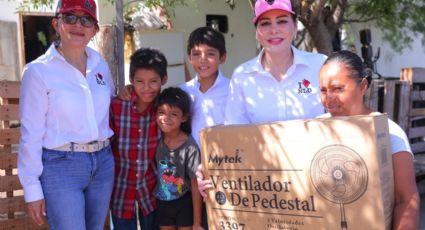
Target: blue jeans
(77, 187)
(146, 222)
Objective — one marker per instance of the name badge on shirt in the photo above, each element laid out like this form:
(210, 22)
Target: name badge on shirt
(99, 79)
(304, 87)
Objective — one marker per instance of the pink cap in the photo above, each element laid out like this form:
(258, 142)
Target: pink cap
(262, 6)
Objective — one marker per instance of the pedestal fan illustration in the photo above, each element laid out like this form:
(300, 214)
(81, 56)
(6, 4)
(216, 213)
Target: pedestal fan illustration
(340, 176)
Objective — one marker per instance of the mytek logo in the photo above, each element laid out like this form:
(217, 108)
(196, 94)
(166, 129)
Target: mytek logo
(236, 159)
(304, 87)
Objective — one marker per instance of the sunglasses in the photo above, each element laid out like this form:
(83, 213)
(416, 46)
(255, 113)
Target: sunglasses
(85, 20)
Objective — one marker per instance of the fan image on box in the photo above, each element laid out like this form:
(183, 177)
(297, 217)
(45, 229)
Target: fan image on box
(340, 175)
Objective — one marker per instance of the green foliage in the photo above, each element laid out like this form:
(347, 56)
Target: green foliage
(132, 7)
(25, 5)
(399, 20)
(150, 3)
(164, 3)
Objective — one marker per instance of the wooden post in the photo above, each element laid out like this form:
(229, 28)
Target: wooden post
(372, 95)
(389, 98)
(105, 42)
(9, 62)
(404, 105)
(120, 43)
(414, 75)
(12, 205)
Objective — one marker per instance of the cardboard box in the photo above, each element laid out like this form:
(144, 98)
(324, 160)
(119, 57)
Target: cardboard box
(330, 173)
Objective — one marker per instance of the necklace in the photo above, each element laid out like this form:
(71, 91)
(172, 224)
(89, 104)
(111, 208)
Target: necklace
(80, 65)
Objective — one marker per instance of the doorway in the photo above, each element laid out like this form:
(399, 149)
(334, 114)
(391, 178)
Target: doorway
(37, 33)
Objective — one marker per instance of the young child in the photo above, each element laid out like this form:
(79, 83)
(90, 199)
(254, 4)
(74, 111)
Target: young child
(206, 50)
(177, 158)
(135, 141)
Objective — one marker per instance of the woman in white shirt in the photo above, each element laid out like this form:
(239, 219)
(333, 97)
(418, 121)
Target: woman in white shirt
(342, 89)
(65, 163)
(343, 85)
(281, 83)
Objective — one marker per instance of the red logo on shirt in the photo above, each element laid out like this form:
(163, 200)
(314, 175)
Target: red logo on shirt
(304, 87)
(99, 79)
(306, 83)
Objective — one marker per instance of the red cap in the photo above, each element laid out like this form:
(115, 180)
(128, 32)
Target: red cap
(88, 6)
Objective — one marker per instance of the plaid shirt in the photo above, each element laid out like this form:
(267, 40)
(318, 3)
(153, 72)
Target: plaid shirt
(134, 144)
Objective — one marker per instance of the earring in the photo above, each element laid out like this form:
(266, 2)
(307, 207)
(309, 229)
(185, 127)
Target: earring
(58, 39)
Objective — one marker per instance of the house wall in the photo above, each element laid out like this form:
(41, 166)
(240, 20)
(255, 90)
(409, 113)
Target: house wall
(9, 64)
(390, 62)
(105, 12)
(241, 43)
(240, 39)
(8, 12)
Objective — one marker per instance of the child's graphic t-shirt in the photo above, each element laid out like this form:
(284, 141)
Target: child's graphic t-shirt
(175, 169)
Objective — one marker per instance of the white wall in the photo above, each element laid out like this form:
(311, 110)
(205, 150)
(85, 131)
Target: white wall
(105, 12)
(170, 42)
(240, 39)
(8, 9)
(9, 65)
(390, 62)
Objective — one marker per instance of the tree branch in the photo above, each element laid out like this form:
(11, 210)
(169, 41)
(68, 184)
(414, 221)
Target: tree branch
(337, 12)
(300, 38)
(303, 8)
(359, 20)
(252, 3)
(335, 17)
(316, 12)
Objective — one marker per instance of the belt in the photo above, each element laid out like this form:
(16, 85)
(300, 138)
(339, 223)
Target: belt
(90, 147)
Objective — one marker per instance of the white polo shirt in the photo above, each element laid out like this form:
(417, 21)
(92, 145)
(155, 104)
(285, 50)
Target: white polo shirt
(256, 96)
(398, 138)
(207, 108)
(58, 105)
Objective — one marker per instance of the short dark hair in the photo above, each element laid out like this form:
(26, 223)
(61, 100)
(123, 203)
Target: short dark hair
(207, 36)
(148, 58)
(176, 97)
(352, 61)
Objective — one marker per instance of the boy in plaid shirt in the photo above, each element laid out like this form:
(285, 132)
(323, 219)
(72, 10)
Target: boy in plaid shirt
(135, 141)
